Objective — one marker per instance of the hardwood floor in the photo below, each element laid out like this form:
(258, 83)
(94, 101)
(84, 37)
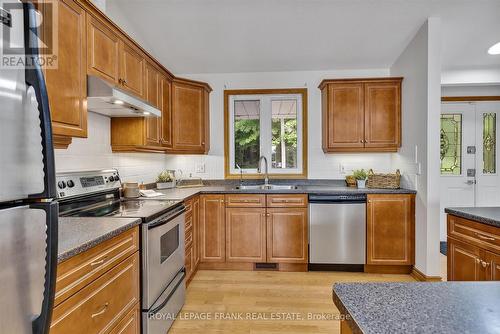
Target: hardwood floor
(263, 295)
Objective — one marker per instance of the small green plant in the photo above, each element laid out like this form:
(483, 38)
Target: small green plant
(164, 177)
(360, 174)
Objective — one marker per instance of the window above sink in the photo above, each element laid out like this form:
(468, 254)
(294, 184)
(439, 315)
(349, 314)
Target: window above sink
(270, 123)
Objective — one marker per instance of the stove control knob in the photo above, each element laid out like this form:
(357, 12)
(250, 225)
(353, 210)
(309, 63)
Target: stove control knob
(117, 178)
(61, 184)
(70, 184)
(111, 178)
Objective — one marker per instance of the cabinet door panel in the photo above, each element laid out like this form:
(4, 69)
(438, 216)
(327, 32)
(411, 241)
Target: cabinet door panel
(67, 84)
(188, 118)
(132, 69)
(103, 49)
(166, 111)
(245, 235)
(390, 229)
(344, 116)
(464, 261)
(212, 229)
(130, 324)
(492, 261)
(382, 115)
(287, 235)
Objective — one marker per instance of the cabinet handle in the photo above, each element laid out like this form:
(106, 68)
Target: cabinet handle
(478, 260)
(221, 201)
(124, 82)
(484, 264)
(120, 81)
(268, 215)
(103, 309)
(484, 237)
(98, 263)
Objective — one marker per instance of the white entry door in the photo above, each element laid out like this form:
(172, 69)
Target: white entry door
(469, 164)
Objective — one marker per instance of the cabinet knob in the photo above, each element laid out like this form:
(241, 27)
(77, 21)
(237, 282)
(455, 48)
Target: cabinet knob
(202, 143)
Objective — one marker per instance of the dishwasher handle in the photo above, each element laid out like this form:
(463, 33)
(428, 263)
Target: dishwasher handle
(344, 199)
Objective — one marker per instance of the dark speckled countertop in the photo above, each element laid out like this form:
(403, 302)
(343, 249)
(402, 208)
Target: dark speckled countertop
(77, 234)
(485, 215)
(185, 193)
(444, 307)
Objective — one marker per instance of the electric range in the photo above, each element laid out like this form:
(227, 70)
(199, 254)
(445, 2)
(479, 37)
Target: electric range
(97, 194)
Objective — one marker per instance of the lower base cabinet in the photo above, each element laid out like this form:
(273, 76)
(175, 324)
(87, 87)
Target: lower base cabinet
(109, 301)
(473, 251)
(238, 231)
(287, 235)
(245, 234)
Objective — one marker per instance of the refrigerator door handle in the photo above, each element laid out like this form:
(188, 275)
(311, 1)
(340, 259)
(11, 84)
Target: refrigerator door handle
(41, 323)
(34, 78)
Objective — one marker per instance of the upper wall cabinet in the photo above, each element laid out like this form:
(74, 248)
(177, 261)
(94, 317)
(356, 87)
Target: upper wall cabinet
(103, 50)
(361, 115)
(190, 117)
(67, 83)
(132, 66)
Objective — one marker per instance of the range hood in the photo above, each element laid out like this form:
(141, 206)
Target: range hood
(106, 99)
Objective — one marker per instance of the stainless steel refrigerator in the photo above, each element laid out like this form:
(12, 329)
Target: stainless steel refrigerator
(28, 216)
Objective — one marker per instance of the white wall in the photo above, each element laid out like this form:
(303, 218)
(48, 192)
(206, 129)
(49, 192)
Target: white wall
(95, 152)
(471, 76)
(321, 166)
(419, 64)
(468, 90)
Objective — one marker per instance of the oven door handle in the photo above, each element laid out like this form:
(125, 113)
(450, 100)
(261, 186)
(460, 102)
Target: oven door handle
(168, 219)
(162, 305)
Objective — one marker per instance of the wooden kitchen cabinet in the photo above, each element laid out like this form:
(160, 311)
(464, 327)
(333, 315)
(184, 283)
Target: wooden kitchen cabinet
(492, 266)
(361, 115)
(166, 111)
(287, 235)
(67, 82)
(132, 67)
(464, 262)
(103, 45)
(390, 229)
(100, 289)
(190, 117)
(473, 250)
(212, 229)
(245, 234)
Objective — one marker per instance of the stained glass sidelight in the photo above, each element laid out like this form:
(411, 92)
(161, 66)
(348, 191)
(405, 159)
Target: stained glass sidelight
(451, 144)
(489, 143)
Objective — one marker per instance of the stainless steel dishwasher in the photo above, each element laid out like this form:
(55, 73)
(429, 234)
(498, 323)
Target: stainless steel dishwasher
(337, 232)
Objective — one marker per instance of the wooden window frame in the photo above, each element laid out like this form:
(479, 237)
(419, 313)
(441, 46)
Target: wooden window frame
(298, 91)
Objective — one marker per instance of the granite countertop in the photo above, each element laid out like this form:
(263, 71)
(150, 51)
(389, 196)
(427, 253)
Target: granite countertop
(444, 307)
(485, 215)
(185, 193)
(77, 234)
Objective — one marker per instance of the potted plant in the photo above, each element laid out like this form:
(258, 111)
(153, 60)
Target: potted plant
(165, 180)
(360, 175)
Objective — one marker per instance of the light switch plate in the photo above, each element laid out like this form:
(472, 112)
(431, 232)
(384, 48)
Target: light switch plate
(200, 168)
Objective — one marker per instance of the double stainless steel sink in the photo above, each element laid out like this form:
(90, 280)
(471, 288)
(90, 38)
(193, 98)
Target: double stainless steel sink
(267, 187)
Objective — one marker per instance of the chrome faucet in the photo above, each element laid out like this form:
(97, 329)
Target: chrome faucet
(266, 180)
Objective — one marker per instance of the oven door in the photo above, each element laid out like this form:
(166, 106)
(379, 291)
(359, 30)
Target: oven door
(162, 254)
(163, 312)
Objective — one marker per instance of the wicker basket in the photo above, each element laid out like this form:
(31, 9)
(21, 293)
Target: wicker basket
(351, 181)
(385, 181)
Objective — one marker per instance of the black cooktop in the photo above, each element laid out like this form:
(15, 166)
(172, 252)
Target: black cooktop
(147, 209)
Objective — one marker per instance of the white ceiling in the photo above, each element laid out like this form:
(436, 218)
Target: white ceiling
(217, 36)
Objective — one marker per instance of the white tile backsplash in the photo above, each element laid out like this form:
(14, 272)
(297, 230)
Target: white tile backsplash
(95, 152)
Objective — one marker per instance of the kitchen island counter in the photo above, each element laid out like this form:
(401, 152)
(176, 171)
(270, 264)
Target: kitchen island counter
(443, 307)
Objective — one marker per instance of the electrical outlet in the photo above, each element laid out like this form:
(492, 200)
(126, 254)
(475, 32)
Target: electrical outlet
(200, 168)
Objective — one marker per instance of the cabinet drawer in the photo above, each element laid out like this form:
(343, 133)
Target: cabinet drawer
(245, 201)
(188, 238)
(485, 236)
(78, 271)
(99, 306)
(286, 201)
(130, 324)
(189, 207)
